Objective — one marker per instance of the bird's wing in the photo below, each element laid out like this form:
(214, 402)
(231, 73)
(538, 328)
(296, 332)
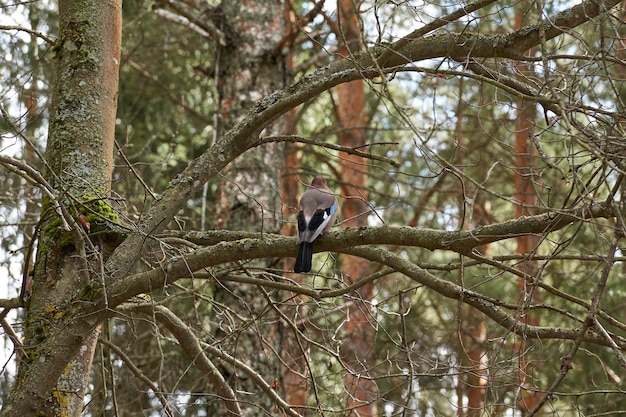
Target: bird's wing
(318, 210)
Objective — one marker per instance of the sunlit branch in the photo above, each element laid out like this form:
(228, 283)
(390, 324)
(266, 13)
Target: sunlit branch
(215, 33)
(29, 31)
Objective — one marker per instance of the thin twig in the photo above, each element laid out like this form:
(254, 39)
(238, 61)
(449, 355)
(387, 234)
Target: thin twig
(137, 372)
(34, 177)
(192, 346)
(351, 151)
(134, 171)
(203, 28)
(8, 329)
(567, 361)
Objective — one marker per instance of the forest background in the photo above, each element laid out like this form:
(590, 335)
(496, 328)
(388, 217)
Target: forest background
(153, 154)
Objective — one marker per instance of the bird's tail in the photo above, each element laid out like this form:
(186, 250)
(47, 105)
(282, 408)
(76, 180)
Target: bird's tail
(305, 257)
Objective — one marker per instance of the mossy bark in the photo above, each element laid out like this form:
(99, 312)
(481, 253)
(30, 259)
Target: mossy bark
(79, 162)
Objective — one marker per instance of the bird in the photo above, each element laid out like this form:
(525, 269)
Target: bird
(317, 212)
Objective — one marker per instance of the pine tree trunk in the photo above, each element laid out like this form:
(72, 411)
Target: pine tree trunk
(350, 113)
(250, 67)
(79, 162)
(294, 348)
(527, 202)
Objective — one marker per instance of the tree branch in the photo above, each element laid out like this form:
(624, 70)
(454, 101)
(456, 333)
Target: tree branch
(203, 28)
(8, 330)
(588, 327)
(367, 64)
(137, 372)
(191, 345)
(237, 246)
(481, 303)
(351, 151)
(50, 41)
(461, 241)
(195, 350)
(32, 176)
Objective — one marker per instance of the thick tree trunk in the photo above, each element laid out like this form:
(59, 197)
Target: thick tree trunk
(250, 67)
(527, 202)
(350, 113)
(294, 347)
(79, 161)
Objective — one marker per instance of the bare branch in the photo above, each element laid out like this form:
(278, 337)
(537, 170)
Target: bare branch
(8, 329)
(351, 151)
(34, 177)
(245, 246)
(137, 372)
(195, 350)
(10, 303)
(191, 345)
(489, 308)
(434, 25)
(203, 28)
(589, 327)
(29, 31)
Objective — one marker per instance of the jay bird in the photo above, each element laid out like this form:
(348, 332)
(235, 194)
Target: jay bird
(317, 214)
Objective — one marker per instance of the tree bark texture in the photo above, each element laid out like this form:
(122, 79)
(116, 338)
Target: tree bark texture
(250, 66)
(526, 197)
(353, 169)
(79, 162)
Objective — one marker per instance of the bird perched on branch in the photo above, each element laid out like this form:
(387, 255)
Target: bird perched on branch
(316, 215)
